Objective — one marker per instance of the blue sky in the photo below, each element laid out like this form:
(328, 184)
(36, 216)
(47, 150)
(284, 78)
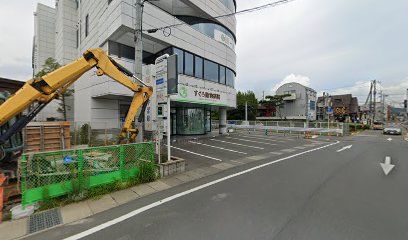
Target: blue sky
(336, 45)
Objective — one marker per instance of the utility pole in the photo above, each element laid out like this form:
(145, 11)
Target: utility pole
(375, 99)
(246, 111)
(138, 39)
(307, 109)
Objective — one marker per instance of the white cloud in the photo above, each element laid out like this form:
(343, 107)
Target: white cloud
(304, 80)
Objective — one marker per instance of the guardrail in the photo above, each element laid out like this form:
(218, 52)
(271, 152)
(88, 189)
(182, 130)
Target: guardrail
(53, 174)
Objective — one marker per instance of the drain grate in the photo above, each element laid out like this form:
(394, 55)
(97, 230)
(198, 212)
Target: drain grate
(44, 220)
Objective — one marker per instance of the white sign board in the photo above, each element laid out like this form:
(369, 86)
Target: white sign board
(224, 38)
(204, 92)
(151, 111)
(161, 80)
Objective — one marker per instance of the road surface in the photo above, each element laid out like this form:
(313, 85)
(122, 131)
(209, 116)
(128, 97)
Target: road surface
(321, 194)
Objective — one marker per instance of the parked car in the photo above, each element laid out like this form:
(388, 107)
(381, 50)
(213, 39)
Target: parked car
(392, 130)
(378, 126)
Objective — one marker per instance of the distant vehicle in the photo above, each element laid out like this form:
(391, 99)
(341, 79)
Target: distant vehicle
(378, 126)
(392, 130)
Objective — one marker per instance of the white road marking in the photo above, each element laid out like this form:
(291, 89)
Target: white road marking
(276, 153)
(226, 149)
(238, 144)
(262, 138)
(216, 159)
(290, 138)
(344, 148)
(178, 195)
(246, 140)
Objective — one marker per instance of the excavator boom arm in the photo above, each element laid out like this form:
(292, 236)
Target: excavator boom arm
(44, 89)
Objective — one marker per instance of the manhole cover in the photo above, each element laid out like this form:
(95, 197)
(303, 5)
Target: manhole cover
(44, 220)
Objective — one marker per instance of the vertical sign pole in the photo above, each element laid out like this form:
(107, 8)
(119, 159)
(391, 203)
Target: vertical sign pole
(168, 128)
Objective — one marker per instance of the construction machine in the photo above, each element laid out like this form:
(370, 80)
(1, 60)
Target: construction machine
(38, 92)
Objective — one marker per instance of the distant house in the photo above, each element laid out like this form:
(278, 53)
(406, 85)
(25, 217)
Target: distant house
(300, 105)
(345, 107)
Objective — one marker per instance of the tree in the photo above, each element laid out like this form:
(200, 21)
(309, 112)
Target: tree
(239, 112)
(51, 65)
(274, 103)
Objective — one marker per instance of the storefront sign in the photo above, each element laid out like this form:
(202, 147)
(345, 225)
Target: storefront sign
(224, 38)
(204, 92)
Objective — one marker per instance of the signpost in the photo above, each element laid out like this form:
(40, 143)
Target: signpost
(166, 85)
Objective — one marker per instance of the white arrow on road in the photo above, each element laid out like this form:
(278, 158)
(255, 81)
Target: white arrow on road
(389, 139)
(344, 148)
(387, 166)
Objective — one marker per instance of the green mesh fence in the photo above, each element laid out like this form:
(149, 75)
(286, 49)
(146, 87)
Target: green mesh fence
(53, 174)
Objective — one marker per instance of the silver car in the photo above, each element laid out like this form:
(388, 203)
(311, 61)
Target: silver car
(392, 130)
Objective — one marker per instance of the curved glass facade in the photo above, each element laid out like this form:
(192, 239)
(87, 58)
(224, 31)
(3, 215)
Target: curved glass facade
(207, 27)
(230, 4)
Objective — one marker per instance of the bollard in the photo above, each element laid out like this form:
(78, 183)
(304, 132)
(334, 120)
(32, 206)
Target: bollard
(2, 179)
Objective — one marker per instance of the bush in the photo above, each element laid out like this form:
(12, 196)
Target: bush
(147, 172)
(84, 134)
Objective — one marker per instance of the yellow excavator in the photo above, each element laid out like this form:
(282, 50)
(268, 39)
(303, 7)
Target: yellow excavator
(38, 92)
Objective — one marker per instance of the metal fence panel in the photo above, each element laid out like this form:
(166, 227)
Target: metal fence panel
(52, 174)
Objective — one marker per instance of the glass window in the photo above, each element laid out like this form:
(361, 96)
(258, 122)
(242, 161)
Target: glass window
(230, 4)
(188, 64)
(230, 77)
(198, 67)
(114, 48)
(210, 71)
(190, 121)
(180, 55)
(222, 75)
(127, 52)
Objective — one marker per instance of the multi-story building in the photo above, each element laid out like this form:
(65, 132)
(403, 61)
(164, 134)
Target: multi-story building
(300, 105)
(205, 46)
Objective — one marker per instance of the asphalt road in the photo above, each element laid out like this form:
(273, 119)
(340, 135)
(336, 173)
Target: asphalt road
(322, 194)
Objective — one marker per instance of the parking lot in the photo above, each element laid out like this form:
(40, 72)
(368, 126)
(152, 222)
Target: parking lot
(207, 151)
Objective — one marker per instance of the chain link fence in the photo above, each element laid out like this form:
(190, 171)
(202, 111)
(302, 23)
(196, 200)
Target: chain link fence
(52, 174)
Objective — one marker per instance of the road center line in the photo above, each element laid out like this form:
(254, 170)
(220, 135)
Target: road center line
(178, 195)
(246, 140)
(238, 144)
(226, 149)
(201, 155)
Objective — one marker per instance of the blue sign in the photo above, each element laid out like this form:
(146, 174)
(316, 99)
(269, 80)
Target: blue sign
(159, 81)
(329, 109)
(68, 159)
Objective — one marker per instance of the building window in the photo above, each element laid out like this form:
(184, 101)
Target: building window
(312, 105)
(188, 64)
(210, 71)
(222, 75)
(230, 4)
(180, 55)
(198, 67)
(87, 25)
(121, 50)
(230, 76)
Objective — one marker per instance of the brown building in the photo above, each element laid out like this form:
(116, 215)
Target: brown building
(345, 107)
(9, 85)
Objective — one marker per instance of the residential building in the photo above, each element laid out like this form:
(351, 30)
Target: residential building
(300, 105)
(345, 107)
(9, 85)
(205, 47)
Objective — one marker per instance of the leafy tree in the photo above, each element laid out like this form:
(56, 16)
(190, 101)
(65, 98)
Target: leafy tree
(51, 65)
(274, 103)
(239, 112)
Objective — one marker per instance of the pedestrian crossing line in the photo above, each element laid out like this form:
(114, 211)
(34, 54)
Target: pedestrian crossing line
(238, 144)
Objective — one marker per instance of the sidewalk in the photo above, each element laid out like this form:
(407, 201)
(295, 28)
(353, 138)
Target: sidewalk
(77, 211)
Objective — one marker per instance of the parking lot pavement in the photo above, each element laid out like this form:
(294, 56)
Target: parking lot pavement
(209, 151)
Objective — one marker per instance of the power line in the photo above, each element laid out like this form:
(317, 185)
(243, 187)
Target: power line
(249, 10)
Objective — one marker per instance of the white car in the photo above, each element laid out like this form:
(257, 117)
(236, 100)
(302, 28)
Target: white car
(392, 130)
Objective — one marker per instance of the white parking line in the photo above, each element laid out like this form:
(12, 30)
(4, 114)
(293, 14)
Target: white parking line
(238, 144)
(201, 155)
(226, 149)
(262, 138)
(289, 138)
(181, 194)
(246, 140)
